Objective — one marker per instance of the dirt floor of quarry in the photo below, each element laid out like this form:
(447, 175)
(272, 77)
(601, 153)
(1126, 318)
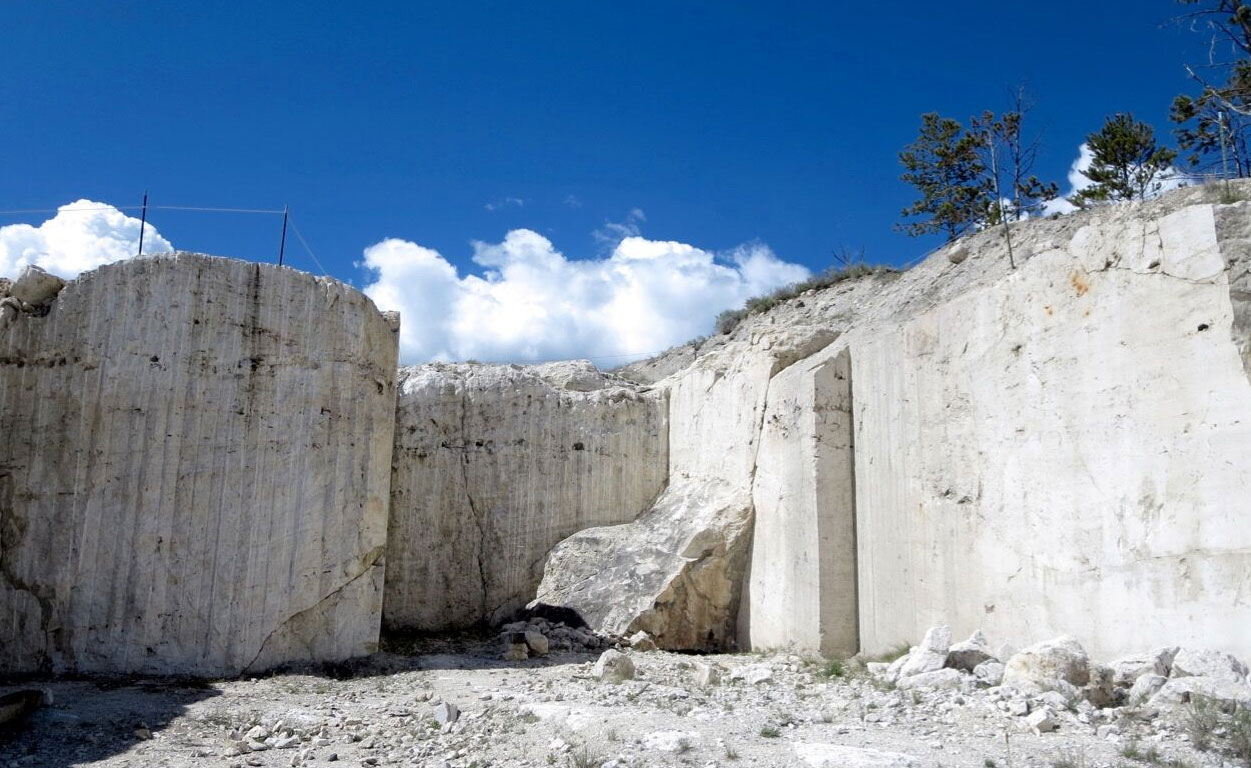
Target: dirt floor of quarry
(679, 710)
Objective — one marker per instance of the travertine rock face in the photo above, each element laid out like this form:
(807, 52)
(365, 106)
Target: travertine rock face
(801, 588)
(193, 471)
(1059, 448)
(1065, 450)
(678, 572)
(495, 464)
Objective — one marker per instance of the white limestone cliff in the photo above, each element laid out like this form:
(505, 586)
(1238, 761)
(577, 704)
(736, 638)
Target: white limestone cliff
(1059, 448)
(193, 471)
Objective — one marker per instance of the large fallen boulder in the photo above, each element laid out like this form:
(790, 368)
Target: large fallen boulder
(1044, 666)
(675, 573)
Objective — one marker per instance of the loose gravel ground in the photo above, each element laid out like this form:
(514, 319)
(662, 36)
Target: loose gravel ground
(765, 710)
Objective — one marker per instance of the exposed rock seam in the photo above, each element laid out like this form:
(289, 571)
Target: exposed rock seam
(473, 508)
(368, 562)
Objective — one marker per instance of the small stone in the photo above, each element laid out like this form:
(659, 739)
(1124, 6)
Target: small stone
(1041, 720)
(1145, 686)
(614, 667)
(537, 642)
(706, 675)
(143, 734)
(258, 733)
(989, 672)
(446, 713)
(958, 253)
(641, 641)
(516, 652)
(968, 654)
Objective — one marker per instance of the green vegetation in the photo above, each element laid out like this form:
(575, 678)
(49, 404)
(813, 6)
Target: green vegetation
(1127, 162)
(1214, 126)
(833, 668)
(975, 177)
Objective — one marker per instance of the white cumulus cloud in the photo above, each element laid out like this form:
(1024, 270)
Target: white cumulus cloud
(81, 236)
(532, 303)
(1171, 179)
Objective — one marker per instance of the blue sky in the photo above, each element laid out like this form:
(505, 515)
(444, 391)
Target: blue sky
(720, 126)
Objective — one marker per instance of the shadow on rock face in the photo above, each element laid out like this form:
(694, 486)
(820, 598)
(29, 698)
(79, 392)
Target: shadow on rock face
(90, 721)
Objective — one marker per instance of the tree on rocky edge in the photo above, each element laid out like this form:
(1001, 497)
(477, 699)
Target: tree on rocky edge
(1223, 104)
(1007, 160)
(944, 166)
(974, 178)
(1127, 163)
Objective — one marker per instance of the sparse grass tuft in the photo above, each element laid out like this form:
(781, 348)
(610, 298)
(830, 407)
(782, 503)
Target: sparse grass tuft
(1068, 759)
(834, 668)
(770, 731)
(728, 320)
(730, 753)
(1203, 717)
(584, 758)
(1240, 734)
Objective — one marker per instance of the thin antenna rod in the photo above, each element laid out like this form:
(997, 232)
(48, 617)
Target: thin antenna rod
(282, 245)
(143, 221)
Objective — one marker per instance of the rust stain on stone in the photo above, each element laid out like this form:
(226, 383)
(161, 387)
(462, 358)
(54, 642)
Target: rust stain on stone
(1080, 284)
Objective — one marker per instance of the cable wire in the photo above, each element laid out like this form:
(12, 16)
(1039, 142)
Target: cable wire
(211, 210)
(298, 236)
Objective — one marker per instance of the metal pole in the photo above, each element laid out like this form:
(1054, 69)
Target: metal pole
(282, 245)
(1224, 162)
(143, 221)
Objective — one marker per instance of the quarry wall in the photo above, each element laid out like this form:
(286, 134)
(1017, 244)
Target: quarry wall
(1057, 448)
(207, 464)
(1066, 450)
(493, 466)
(193, 471)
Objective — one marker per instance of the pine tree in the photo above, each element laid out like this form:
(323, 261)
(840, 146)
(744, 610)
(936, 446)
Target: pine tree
(943, 164)
(1223, 106)
(1127, 162)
